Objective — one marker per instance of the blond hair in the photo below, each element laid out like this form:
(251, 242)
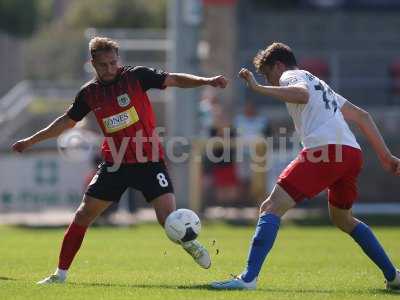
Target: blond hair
(97, 44)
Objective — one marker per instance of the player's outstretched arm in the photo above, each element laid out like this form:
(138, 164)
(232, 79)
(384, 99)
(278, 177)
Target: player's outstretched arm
(291, 94)
(53, 130)
(183, 80)
(369, 129)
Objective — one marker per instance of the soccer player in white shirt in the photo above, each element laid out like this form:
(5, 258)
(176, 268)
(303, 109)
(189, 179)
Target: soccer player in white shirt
(331, 159)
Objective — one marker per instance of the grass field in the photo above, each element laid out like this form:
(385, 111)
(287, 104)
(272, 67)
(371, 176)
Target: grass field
(140, 263)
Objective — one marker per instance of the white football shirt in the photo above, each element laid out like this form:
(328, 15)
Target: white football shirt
(320, 121)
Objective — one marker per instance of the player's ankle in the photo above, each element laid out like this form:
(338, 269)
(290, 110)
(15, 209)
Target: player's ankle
(247, 279)
(189, 243)
(61, 273)
(392, 276)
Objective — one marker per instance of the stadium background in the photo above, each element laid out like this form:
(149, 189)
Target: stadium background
(353, 45)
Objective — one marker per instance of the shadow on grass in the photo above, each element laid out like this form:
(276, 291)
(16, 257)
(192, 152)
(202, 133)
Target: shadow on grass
(204, 287)
(63, 227)
(377, 220)
(332, 291)
(7, 278)
(147, 286)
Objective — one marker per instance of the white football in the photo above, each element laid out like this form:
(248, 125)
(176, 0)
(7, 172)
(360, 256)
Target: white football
(182, 225)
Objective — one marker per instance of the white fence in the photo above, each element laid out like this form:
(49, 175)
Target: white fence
(40, 181)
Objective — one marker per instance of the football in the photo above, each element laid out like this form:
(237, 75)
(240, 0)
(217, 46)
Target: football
(182, 225)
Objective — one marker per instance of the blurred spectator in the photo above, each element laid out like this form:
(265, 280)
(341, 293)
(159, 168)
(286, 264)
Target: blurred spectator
(221, 177)
(249, 126)
(207, 106)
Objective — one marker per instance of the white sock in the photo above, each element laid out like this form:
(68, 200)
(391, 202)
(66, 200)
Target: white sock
(62, 273)
(189, 243)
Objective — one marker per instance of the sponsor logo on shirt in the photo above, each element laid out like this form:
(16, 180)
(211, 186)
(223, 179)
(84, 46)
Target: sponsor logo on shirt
(120, 121)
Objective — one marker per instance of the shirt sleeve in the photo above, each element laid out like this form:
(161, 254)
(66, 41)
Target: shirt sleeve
(150, 78)
(340, 100)
(290, 79)
(79, 108)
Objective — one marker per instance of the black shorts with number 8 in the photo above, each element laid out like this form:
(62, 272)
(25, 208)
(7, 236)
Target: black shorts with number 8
(151, 178)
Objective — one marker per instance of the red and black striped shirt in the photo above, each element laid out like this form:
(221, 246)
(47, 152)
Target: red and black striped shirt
(123, 112)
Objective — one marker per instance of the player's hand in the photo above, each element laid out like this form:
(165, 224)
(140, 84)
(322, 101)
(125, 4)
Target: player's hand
(392, 165)
(248, 76)
(218, 81)
(21, 145)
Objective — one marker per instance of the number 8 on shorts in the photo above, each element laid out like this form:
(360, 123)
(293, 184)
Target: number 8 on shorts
(162, 180)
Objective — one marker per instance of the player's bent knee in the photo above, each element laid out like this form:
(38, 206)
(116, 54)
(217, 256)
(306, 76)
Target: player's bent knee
(84, 216)
(164, 206)
(266, 206)
(345, 224)
(81, 218)
(275, 206)
(161, 219)
(270, 206)
(162, 214)
(278, 203)
(344, 227)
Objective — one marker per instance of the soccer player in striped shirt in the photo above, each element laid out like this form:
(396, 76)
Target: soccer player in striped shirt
(132, 153)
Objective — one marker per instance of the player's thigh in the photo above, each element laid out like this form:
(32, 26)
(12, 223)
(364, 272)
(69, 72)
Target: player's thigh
(89, 210)
(343, 193)
(107, 185)
(341, 196)
(152, 179)
(163, 206)
(278, 203)
(306, 176)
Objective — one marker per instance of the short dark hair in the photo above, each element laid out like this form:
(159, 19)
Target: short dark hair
(273, 53)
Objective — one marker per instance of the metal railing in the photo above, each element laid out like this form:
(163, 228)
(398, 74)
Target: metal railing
(15, 101)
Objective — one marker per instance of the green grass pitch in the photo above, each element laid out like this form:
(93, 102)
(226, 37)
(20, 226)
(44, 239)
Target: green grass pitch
(140, 263)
